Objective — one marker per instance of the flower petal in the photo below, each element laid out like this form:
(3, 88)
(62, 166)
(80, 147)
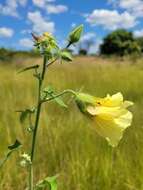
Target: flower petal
(112, 101)
(126, 104)
(125, 120)
(112, 129)
(106, 111)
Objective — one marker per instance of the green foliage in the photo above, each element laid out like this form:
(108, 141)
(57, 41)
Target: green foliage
(66, 55)
(140, 43)
(29, 68)
(9, 54)
(82, 52)
(81, 106)
(25, 113)
(49, 93)
(49, 183)
(48, 48)
(11, 148)
(119, 42)
(14, 146)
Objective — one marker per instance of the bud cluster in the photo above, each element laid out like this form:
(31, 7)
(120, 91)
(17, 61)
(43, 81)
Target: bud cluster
(26, 160)
(46, 44)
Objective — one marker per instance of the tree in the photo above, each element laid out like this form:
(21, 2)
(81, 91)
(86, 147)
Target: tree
(82, 52)
(119, 42)
(140, 43)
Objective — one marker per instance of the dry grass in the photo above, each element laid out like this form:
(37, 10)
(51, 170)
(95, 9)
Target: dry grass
(67, 144)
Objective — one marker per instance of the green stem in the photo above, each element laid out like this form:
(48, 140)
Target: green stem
(58, 95)
(36, 123)
(31, 177)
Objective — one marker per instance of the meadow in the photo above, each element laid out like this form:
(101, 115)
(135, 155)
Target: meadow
(67, 145)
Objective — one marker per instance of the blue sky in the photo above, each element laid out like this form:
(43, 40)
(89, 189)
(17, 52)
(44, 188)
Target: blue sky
(18, 18)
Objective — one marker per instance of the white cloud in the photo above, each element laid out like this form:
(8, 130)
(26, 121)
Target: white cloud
(10, 7)
(134, 7)
(50, 8)
(41, 3)
(111, 19)
(26, 42)
(40, 24)
(88, 36)
(25, 31)
(22, 2)
(73, 25)
(56, 9)
(6, 32)
(128, 4)
(88, 42)
(138, 33)
(95, 47)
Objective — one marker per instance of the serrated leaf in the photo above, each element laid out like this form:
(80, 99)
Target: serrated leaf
(28, 68)
(66, 56)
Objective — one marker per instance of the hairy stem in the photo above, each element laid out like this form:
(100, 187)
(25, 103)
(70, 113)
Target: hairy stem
(41, 79)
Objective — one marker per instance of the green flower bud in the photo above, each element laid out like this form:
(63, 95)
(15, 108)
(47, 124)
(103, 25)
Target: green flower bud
(75, 35)
(86, 98)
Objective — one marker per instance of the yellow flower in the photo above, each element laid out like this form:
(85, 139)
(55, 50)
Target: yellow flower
(46, 34)
(109, 115)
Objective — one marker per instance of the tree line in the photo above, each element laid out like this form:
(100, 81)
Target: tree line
(119, 42)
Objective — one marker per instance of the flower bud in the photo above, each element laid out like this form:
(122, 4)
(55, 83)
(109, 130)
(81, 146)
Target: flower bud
(75, 35)
(86, 98)
(26, 160)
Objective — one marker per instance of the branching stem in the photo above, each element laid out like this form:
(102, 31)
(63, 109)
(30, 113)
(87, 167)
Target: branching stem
(41, 79)
(39, 105)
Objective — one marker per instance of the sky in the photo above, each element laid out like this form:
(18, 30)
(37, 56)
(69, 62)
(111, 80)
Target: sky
(18, 18)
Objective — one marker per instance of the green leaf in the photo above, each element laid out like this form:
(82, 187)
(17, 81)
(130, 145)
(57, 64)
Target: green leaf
(24, 114)
(28, 68)
(53, 182)
(49, 89)
(75, 35)
(66, 55)
(11, 148)
(49, 183)
(60, 102)
(50, 94)
(17, 144)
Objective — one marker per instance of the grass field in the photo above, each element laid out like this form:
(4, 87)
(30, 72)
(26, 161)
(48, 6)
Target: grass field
(67, 144)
